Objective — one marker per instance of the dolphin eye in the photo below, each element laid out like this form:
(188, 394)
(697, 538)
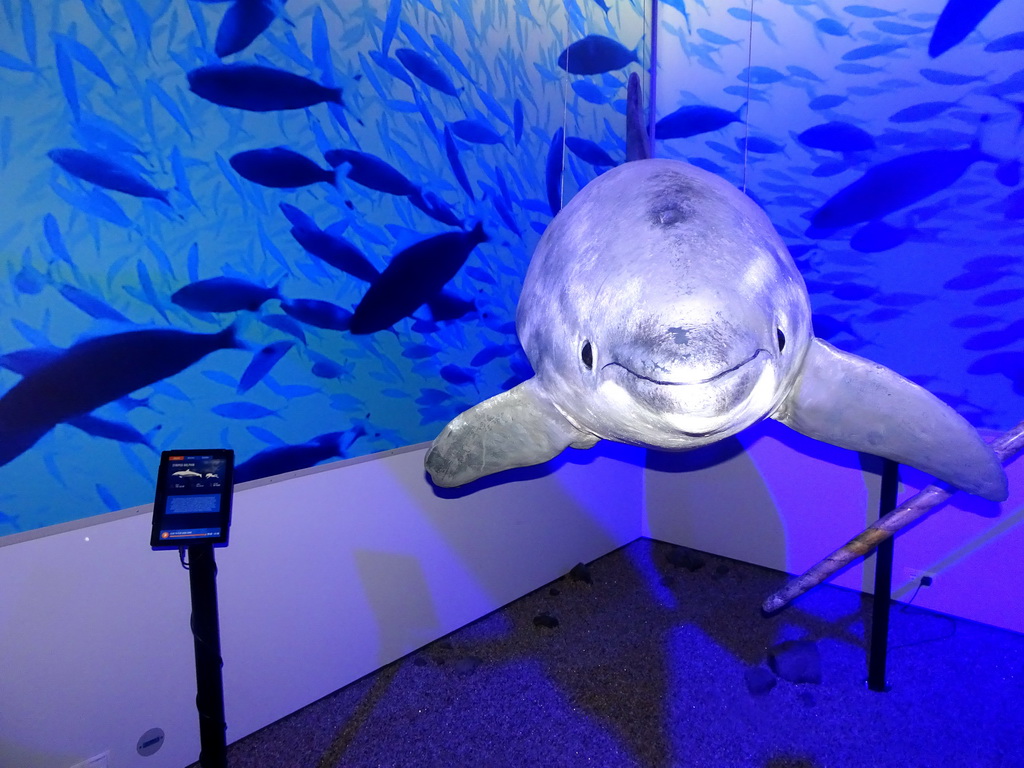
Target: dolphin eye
(781, 337)
(587, 354)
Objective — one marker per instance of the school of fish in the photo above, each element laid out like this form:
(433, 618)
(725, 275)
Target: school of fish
(300, 229)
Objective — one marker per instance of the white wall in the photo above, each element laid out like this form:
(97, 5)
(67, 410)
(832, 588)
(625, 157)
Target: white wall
(786, 501)
(329, 576)
(332, 574)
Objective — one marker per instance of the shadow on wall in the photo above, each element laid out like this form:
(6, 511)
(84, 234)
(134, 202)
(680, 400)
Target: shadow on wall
(400, 600)
(810, 448)
(713, 499)
(597, 517)
(771, 497)
(16, 754)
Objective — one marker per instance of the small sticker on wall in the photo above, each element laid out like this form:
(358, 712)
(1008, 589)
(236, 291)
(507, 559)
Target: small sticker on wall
(150, 742)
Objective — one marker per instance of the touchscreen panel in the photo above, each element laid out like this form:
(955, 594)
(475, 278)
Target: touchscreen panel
(193, 499)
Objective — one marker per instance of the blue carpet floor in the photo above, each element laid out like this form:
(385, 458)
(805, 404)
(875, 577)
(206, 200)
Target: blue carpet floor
(656, 656)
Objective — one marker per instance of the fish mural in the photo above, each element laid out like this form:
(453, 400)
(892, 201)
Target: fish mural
(242, 223)
(327, 208)
(894, 175)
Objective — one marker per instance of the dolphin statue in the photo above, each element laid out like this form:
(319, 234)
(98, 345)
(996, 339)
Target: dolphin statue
(662, 309)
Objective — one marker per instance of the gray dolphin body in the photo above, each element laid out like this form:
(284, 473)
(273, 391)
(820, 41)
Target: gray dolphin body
(662, 309)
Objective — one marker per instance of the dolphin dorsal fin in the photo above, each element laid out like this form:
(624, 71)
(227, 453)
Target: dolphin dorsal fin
(637, 146)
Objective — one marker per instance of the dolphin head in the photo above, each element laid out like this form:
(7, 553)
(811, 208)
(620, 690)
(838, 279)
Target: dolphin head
(669, 317)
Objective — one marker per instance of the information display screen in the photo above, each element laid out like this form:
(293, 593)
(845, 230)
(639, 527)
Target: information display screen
(193, 498)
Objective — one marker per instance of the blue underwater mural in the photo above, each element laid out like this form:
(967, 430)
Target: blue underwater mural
(299, 229)
(885, 142)
(296, 230)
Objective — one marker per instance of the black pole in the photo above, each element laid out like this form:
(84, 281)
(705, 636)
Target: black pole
(883, 583)
(202, 577)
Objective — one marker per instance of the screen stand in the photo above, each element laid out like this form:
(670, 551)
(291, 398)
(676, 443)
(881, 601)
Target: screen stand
(883, 583)
(202, 576)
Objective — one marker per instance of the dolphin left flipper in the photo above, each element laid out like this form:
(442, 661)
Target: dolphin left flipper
(854, 403)
(517, 428)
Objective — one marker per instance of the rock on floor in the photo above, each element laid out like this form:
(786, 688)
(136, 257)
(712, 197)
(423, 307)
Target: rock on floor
(797, 661)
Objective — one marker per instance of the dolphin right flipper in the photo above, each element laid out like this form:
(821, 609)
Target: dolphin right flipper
(854, 403)
(517, 428)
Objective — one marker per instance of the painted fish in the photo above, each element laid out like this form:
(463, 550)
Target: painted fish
(109, 430)
(414, 276)
(297, 216)
(837, 136)
(868, 11)
(475, 132)
(761, 75)
(457, 375)
(1012, 42)
(833, 27)
(390, 66)
(336, 251)
(895, 28)
(279, 168)
(435, 208)
(588, 151)
(89, 304)
(318, 313)
(243, 22)
(694, 119)
(958, 19)
(84, 56)
(895, 184)
(589, 91)
(94, 372)
(877, 236)
(595, 54)
(223, 294)
(242, 410)
(941, 77)
(716, 39)
(446, 306)
(25, 361)
(494, 107)
(261, 364)
(258, 88)
(826, 101)
(104, 172)
(291, 458)
(452, 57)
(803, 72)
(871, 51)
(390, 24)
(371, 171)
(426, 70)
(759, 145)
(452, 151)
(918, 112)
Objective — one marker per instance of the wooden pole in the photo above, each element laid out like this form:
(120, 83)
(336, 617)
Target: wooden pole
(916, 507)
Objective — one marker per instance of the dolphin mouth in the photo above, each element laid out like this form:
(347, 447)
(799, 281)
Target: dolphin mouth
(718, 376)
(709, 433)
